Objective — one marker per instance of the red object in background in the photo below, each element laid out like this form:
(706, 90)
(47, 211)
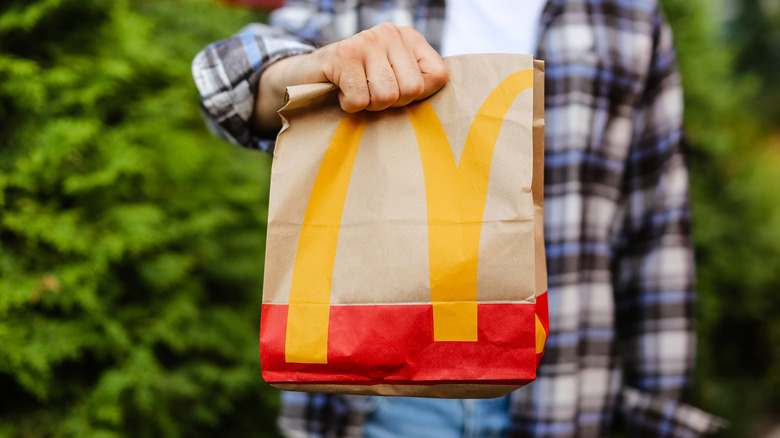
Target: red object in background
(257, 4)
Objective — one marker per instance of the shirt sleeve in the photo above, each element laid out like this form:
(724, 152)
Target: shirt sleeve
(655, 267)
(227, 72)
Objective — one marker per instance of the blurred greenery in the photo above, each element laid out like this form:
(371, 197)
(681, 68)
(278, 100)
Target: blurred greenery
(729, 74)
(131, 241)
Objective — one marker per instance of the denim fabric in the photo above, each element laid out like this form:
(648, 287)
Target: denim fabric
(405, 417)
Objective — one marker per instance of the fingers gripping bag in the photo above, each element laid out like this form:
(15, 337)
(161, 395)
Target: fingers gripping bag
(405, 249)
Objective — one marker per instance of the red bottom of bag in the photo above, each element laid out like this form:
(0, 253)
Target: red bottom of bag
(393, 344)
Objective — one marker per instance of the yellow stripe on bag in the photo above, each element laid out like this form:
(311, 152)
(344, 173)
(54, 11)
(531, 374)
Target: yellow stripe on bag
(541, 335)
(309, 306)
(456, 195)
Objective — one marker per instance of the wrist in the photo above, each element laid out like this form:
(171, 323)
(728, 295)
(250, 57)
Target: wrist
(270, 95)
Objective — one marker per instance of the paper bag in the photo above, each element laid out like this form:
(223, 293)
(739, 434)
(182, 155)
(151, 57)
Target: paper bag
(405, 253)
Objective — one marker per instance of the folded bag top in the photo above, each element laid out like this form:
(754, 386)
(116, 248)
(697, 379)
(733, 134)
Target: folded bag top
(405, 251)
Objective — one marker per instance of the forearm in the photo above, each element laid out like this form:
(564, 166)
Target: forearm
(294, 70)
(270, 98)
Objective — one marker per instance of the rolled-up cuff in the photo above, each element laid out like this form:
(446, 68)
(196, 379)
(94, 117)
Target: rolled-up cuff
(227, 81)
(648, 415)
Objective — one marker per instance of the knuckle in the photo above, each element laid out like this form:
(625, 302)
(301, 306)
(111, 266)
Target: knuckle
(355, 101)
(439, 75)
(387, 28)
(358, 103)
(385, 96)
(380, 34)
(368, 36)
(414, 88)
(409, 32)
(348, 48)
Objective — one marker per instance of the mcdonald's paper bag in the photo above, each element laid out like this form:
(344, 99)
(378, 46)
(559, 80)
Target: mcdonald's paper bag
(405, 253)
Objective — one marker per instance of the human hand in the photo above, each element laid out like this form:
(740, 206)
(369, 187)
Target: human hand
(385, 66)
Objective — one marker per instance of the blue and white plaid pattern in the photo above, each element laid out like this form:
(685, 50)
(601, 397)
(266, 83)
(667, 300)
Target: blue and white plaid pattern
(617, 223)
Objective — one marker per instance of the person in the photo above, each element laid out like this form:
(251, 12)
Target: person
(617, 223)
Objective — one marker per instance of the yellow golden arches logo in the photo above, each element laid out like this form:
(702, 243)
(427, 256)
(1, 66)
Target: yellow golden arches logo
(541, 335)
(456, 194)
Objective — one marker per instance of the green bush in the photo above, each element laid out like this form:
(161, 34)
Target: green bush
(132, 240)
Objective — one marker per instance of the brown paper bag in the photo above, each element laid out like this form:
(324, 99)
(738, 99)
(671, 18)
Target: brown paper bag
(405, 253)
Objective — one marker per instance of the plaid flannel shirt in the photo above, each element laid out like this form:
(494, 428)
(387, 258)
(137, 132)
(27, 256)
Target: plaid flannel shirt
(617, 221)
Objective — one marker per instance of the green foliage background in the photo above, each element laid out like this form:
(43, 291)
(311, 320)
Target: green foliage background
(131, 241)
(732, 106)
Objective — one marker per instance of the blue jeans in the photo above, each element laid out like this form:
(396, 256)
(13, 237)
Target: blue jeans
(405, 417)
